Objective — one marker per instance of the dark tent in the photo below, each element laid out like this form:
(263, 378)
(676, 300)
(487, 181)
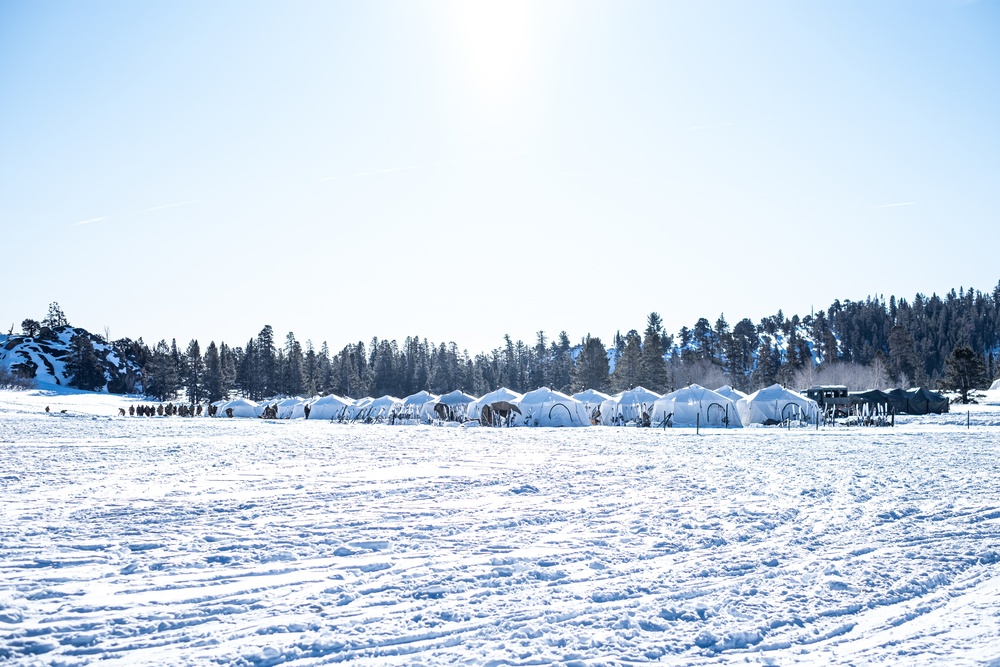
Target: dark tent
(873, 398)
(920, 401)
(897, 400)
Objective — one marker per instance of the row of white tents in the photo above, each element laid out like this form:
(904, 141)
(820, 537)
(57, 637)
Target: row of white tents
(691, 406)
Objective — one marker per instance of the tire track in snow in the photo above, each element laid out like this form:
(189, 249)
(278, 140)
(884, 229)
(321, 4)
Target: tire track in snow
(314, 543)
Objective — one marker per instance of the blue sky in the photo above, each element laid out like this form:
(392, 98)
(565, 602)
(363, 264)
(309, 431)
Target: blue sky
(459, 171)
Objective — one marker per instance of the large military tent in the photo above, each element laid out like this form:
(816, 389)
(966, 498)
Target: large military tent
(774, 405)
(921, 401)
(290, 408)
(419, 406)
(377, 410)
(897, 400)
(474, 411)
(453, 405)
(874, 399)
(627, 407)
(545, 407)
(695, 406)
(241, 407)
(592, 400)
(329, 407)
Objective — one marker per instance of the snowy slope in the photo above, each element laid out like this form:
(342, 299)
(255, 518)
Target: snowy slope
(169, 541)
(43, 359)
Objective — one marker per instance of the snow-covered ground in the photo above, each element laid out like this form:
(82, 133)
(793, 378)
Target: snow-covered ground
(172, 541)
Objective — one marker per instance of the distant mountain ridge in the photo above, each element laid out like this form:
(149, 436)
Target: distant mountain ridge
(44, 358)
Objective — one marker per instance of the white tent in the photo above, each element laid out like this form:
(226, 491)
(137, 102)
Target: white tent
(995, 385)
(241, 407)
(355, 408)
(694, 406)
(290, 408)
(545, 407)
(501, 394)
(419, 406)
(592, 400)
(329, 407)
(377, 409)
(454, 404)
(730, 393)
(775, 404)
(627, 406)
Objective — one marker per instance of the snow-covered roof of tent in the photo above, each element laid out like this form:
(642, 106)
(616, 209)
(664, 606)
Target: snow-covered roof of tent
(330, 406)
(774, 404)
(383, 403)
(591, 396)
(695, 405)
(242, 407)
(456, 397)
(730, 393)
(636, 395)
(995, 385)
(547, 407)
(501, 394)
(373, 408)
(419, 398)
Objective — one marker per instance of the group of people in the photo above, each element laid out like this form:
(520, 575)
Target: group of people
(192, 410)
(168, 410)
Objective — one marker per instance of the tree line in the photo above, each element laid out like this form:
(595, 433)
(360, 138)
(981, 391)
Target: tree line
(873, 342)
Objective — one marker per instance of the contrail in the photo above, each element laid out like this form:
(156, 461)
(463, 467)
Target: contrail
(89, 220)
(126, 215)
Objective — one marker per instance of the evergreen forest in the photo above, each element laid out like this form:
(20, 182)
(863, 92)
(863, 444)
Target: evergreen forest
(874, 343)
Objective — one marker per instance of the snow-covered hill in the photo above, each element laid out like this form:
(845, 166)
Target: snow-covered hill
(43, 358)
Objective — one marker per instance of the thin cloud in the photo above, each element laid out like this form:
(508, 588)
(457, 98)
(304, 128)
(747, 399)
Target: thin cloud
(904, 203)
(89, 220)
(128, 215)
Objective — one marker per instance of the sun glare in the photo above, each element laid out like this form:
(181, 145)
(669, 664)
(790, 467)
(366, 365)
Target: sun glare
(496, 43)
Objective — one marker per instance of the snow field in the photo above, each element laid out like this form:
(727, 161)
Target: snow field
(170, 541)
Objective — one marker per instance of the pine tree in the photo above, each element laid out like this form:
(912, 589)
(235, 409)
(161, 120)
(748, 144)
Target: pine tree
(540, 367)
(248, 375)
(902, 361)
(293, 368)
(592, 369)
(84, 365)
(230, 359)
(310, 370)
(160, 374)
(965, 371)
(267, 356)
(324, 370)
(629, 367)
(214, 382)
(194, 372)
(55, 318)
(30, 327)
(768, 369)
(654, 367)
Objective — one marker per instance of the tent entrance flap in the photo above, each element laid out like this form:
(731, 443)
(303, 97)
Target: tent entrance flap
(716, 415)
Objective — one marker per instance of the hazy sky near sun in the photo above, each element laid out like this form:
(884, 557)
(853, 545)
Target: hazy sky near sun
(462, 170)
